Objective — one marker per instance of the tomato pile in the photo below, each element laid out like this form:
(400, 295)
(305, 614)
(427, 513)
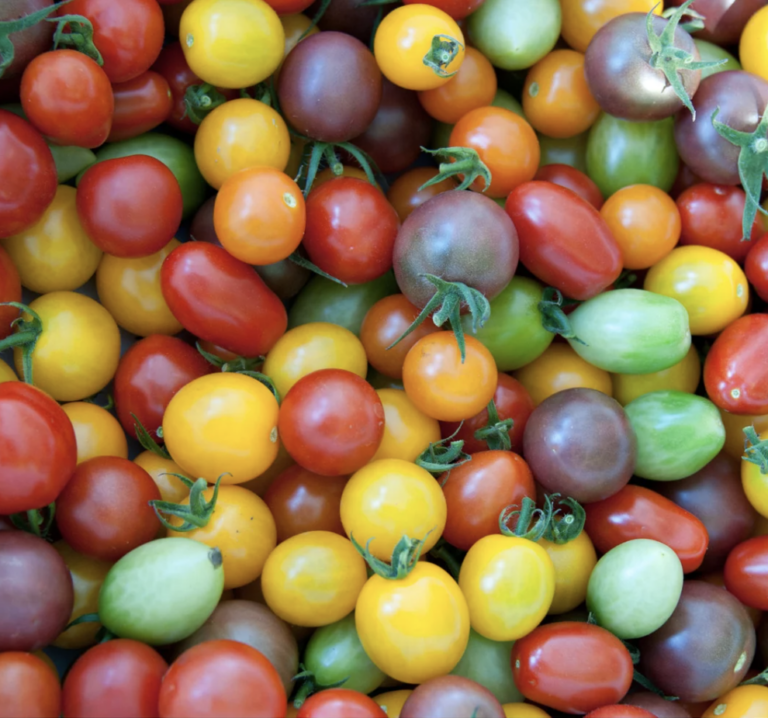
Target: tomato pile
(369, 358)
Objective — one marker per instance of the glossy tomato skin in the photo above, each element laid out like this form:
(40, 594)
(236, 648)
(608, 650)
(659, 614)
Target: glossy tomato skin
(756, 267)
(10, 291)
(639, 513)
(746, 572)
(28, 686)
(572, 179)
(23, 201)
(141, 104)
(564, 241)
(222, 300)
(68, 98)
(735, 373)
(723, 19)
(121, 677)
(620, 711)
(38, 446)
(340, 703)
(451, 696)
(572, 667)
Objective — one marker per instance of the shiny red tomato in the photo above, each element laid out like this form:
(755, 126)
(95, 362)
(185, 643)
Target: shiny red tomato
(746, 572)
(564, 241)
(10, 291)
(118, 678)
(736, 371)
(572, 179)
(340, 703)
(23, 200)
(148, 376)
(756, 267)
(222, 300)
(37, 443)
(331, 422)
(28, 687)
(104, 510)
(620, 711)
(141, 104)
(636, 512)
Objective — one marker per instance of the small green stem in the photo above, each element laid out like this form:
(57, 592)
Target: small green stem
(526, 514)
(301, 261)
(404, 557)
(441, 54)
(194, 515)
(443, 455)
(79, 36)
(462, 161)
(496, 432)
(200, 100)
(755, 450)
(85, 618)
(553, 318)
(146, 440)
(26, 336)
(449, 555)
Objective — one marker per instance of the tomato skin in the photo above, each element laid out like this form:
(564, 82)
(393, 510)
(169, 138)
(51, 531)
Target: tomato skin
(23, 201)
(741, 702)
(620, 711)
(735, 374)
(756, 267)
(222, 300)
(68, 98)
(141, 104)
(572, 179)
(160, 470)
(28, 687)
(550, 667)
(172, 66)
(39, 448)
(404, 193)
(457, 9)
(746, 572)
(121, 677)
(10, 291)
(574, 562)
(97, 432)
(340, 703)
(639, 513)
(564, 241)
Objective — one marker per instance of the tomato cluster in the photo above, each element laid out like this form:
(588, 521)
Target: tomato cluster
(368, 359)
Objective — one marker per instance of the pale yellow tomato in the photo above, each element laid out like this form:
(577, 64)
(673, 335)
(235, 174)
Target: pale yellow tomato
(573, 562)
(392, 701)
(6, 373)
(523, 710)
(97, 432)
(407, 431)
(753, 45)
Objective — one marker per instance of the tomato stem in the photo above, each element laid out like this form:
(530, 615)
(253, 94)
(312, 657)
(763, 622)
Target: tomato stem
(194, 515)
(146, 440)
(496, 432)
(34, 522)
(695, 23)
(442, 53)
(302, 261)
(525, 514)
(79, 35)
(755, 451)
(108, 404)
(553, 318)
(404, 557)
(200, 100)
(463, 161)
(26, 336)
(565, 527)
(307, 685)
(85, 618)
(443, 455)
(449, 555)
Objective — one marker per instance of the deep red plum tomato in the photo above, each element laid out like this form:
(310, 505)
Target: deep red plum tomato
(340, 703)
(756, 267)
(746, 572)
(572, 179)
(141, 104)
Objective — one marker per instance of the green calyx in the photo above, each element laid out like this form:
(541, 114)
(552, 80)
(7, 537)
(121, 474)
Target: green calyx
(36, 521)
(79, 36)
(548, 523)
(668, 58)
(240, 365)
(449, 556)
(461, 161)
(753, 164)
(755, 451)
(199, 100)
(695, 20)
(147, 442)
(444, 455)
(446, 304)
(25, 337)
(442, 53)
(197, 513)
(404, 557)
(553, 318)
(307, 685)
(496, 432)
(565, 527)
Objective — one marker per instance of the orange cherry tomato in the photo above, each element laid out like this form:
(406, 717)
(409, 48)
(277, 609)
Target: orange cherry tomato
(404, 193)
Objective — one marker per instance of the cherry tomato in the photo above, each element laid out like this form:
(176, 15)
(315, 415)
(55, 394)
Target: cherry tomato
(97, 432)
(10, 291)
(6, 373)
(581, 20)
(404, 193)
(392, 701)
(746, 572)
(340, 703)
(753, 44)
(756, 267)
(741, 702)
(68, 98)
(523, 710)
(141, 104)
(734, 430)
(573, 562)
(572, 179)
(28, 687)
(161, 471)
(457, 9)
(407, 431)
(620, 711)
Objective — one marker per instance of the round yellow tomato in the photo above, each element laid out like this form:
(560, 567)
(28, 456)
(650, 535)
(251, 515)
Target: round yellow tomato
(523, 710)
(263, 481)
(393, 701)
(311, 347)
(130, 289)
(232, 43)
(755, 483)
(404, 40)
(407, 431)
(741, 702)
(573, 562)
(734, 430)
(78, 350)
(683, 376)
(389, 499)
(708, 283)
(6, 373)
(294, 27)
(222, 424)
(55, 254)
(414, 628)
(87, 576)
(560, 368)
(509, 584)
(161, 469)
(753, 45)
(581, 20)
(239, 134)
(313, 579)
(98, 433)
(241, 527)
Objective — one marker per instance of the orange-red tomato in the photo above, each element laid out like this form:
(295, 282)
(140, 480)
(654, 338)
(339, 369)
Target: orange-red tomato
(405, 196)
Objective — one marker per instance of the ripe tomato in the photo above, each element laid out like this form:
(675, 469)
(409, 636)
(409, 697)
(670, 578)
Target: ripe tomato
(443, 387)
(340, 703)
(23, 201)
(222, 424)
(746, 572)
(97, 432)
(741, 702)
(331, 422)
(753, 44)
(392, 701)
(572, 179)
(313, 579)
(28, 687)
(573, 562)
(10, 291)
(523, 710)
(756, 267)
(6, 373)
(407, 431)
(404, 193)
(141, 104)
(259, 215)
(68, 98)
(620, 711)
(581, 20)
(286, 7)
(160, 471)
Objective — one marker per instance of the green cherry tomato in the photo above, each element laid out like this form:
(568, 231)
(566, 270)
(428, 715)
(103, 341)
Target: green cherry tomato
(622, 153)
(564, 151)
(677, 434)
(712, 53)
(508, 102)
(162, 591)
(71, 161)
(635, 587)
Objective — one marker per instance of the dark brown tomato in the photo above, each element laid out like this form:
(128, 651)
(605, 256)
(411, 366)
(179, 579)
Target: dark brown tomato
(10, 291)
(348, 16)
(330, 87)
(28, 43)
(723, 19)
(399, 130)
(256, 626)
(658, 706)
(572, 179)
(451, 697)
(141, 104)
(579, 443)
(459, 237)
(704, 649)
(36, 592)
(714, 495)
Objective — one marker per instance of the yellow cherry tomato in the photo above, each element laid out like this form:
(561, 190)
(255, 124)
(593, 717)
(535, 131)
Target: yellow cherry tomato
(129, 288)
(389, 499)
(755, 483)
(741, 702)
(753, 45)
(87, 576)
(404, 44)
(294, 27)
(222, 424)
(523, 710)
(6, 373)
(734, 430)
(98, 433)
(683, 376)
(509, 584)
(54, 254)
(573, 562)
(708, 283)
(560, 368)
(239, 134)
(414, 628)
(241, 527)
(313, 579)
(311, 347)
(407, 431)
(263, 481)
(76, 354)
(232, 43)
(393, 701)
(161, 470)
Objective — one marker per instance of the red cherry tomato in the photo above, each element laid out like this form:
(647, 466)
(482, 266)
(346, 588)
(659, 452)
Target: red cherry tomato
(636, 512)
(620, 711)
(288, 7)
(141, 104)
(28, 687)
(10, 291)
(67, 96)
(222, 300)
(756, 267)
(572, 179)
(25, 197)
(746, 572)
(340, 703)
